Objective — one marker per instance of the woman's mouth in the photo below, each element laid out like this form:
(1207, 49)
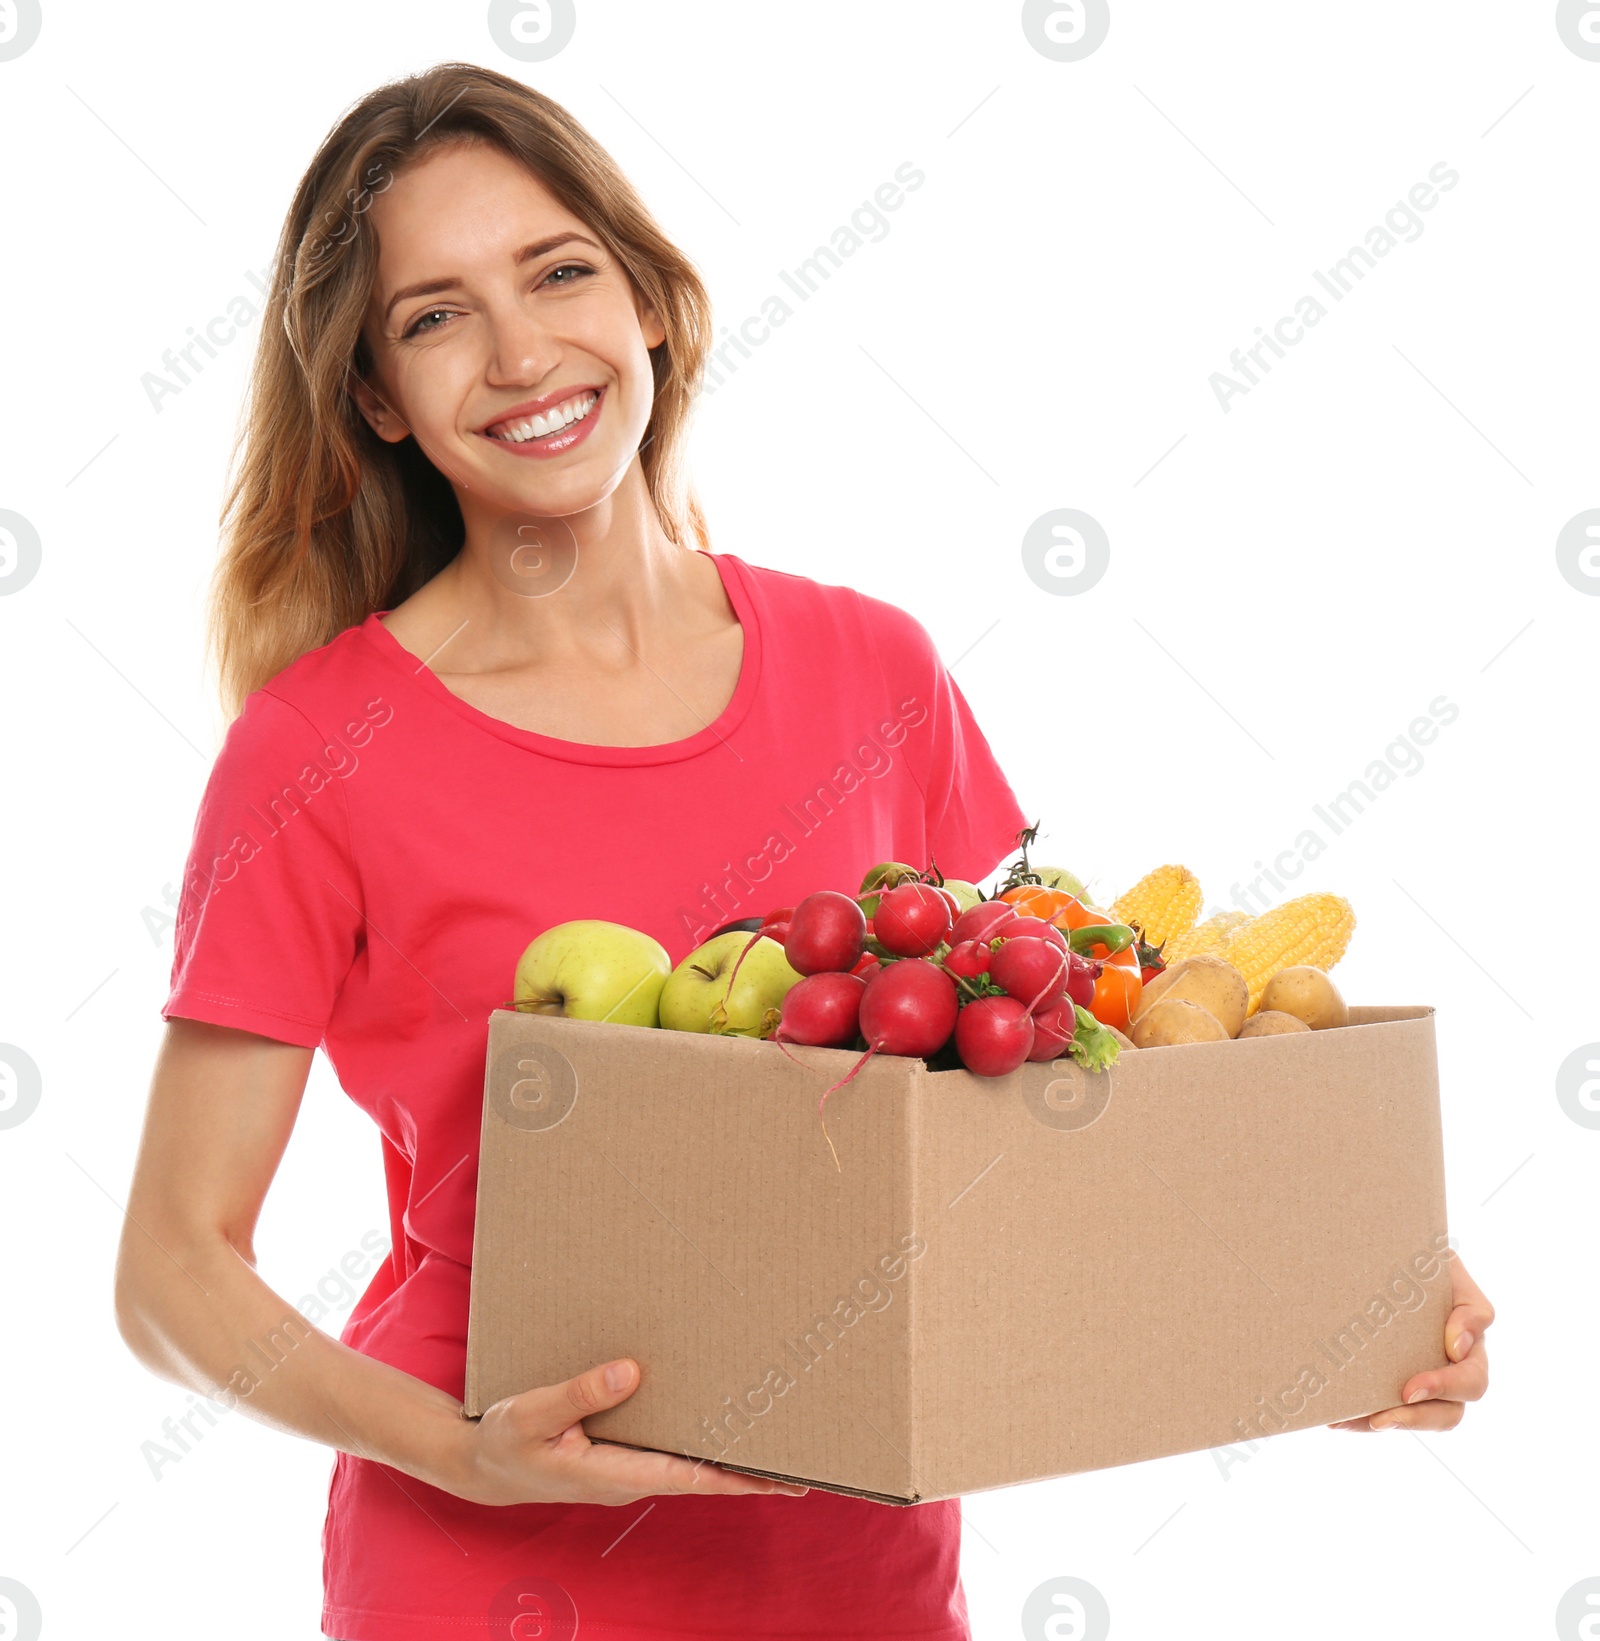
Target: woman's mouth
(550, 432)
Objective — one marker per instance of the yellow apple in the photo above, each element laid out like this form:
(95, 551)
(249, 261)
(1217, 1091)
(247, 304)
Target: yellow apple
(592, 970)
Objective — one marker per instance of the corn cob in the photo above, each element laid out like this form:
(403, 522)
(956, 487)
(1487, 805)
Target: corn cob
(1312, 929)
(1163, 903)
(1210, 936)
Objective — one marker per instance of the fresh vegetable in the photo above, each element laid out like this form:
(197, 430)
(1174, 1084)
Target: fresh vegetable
(1312, 930)
(1216, 985)
(969, 959)
(994, 1035)
(1023, 926)
(823, 1011)
(1271, 1023)
(1053, 1028)
(1102, 939)
(982, 922)
(1162, 904)
(827, 933)
(911, 920)
(1032, 970)
(1082, 973)
(1117, 990)
(1210, 936)
(1094, 1045)
(1306, 993)
(1174, 1020)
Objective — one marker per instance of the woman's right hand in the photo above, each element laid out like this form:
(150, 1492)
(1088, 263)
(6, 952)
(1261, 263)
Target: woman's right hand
(533, 1449)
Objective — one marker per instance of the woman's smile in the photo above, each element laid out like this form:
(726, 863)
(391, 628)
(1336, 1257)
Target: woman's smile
(548, 426)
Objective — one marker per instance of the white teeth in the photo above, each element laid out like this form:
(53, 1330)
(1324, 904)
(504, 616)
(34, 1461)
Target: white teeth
(541, 427)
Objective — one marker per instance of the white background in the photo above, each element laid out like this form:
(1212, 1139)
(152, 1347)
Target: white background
(1290, 583)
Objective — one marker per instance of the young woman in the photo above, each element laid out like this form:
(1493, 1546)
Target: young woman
(487, 677)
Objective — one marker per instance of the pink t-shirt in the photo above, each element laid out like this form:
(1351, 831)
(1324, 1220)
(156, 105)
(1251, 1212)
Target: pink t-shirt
(372, 854)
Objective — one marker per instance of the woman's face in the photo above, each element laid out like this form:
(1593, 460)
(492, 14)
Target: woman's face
(491, 294)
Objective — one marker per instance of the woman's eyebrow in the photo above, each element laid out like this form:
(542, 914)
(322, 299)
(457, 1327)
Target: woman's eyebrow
(528, 253)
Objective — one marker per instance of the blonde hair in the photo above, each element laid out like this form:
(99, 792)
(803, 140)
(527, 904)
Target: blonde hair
(324, 522)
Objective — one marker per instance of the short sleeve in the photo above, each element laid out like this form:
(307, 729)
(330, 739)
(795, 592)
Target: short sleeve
(270, 917)
(973, 814)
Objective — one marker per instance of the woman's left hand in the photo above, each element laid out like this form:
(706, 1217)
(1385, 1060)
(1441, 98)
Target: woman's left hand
(1435, 1400)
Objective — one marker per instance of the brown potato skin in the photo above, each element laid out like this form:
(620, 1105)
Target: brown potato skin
(1271, 1023)
(1308, 994)
(1212, 982)
(1173, 1020)
(1122, 1038)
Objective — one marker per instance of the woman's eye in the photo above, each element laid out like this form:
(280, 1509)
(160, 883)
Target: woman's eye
(418, 327)
(577, 268)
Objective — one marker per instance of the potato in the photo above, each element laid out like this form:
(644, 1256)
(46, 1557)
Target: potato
(1171, 1020)
(1217, 986)
(1308, 994)
(1123, 1040)
(1271, 1023)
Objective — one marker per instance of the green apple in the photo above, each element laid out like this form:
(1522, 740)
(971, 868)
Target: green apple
(967, 893)
(696, 996)
(593, 970)
(1056, 877)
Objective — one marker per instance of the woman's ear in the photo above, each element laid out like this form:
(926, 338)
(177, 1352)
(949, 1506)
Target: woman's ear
(650, 326)
(375, 409)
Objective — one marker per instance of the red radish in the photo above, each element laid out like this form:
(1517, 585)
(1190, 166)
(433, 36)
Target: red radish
(825, 934)
(983, 921)
(867, 967)
(1037, 927)
(908, 1007)
(950, 896)
(969, 959)
(1034, 971)
(994, 1035)
(1082, 972)
(823, 1011)
(1053, 1026)
(911, 920)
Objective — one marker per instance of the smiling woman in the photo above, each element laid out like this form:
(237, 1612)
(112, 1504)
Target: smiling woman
(461, 511)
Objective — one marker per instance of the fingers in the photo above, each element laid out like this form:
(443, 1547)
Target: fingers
(1470, 1313)
(635, 1474)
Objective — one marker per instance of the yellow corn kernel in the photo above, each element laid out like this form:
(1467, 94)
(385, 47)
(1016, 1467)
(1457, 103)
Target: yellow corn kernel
(1313, 929)
(1163, 903)
(1210, 936)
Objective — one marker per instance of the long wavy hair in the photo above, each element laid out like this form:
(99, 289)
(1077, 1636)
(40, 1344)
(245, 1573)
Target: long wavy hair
(324, 522)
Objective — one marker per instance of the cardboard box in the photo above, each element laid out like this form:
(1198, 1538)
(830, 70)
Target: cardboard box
(1004, 1280)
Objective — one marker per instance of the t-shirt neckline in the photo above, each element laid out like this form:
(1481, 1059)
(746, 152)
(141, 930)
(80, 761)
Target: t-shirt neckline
(714, 734)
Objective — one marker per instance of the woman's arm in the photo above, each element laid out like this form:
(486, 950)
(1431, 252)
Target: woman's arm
(189, 1304)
